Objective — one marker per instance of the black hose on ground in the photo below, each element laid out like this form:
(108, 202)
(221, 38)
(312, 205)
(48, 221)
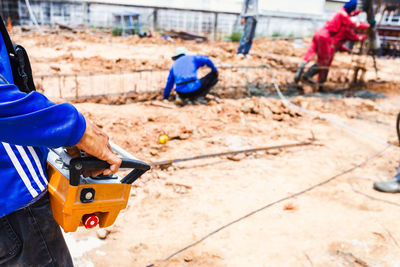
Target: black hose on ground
(398, 127)
(299, 193)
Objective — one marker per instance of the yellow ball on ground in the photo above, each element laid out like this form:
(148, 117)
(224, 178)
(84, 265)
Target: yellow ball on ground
(163, 139)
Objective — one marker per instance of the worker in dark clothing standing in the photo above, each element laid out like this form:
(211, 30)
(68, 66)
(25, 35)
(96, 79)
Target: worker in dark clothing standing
(249, 19)
(183, 74)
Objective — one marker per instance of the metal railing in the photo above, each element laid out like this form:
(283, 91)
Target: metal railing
(233, 82)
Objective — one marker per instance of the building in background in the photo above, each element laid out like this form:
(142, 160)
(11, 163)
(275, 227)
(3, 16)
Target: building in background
(215, 18)
(331, 6)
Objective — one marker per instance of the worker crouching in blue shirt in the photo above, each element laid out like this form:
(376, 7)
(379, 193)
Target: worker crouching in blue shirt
(183, 74)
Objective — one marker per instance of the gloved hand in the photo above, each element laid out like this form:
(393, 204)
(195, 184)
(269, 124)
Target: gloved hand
(372, 23)
(355, 13)
(362, 37)
(363, 26)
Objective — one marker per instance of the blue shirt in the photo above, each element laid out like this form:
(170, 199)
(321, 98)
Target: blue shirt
(183, 73)
(29, 124)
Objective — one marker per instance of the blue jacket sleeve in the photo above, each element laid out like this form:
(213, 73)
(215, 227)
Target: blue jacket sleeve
(170, 84)
(32, 120)
(201, 61)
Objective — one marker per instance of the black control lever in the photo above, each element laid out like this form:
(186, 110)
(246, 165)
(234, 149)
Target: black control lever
(78, 165)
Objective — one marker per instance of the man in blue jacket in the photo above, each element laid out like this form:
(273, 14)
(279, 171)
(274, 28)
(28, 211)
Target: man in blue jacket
(29, 125)
(183, 73)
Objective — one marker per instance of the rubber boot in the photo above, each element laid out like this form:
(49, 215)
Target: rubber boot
(311, 72)
(201, 100)
(391, 186)
(299, 72)
(323, 77)
(179, 101)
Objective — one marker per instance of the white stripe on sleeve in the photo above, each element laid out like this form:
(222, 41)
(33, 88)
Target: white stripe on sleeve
(20, 170)
(38, 164)
(28, 164)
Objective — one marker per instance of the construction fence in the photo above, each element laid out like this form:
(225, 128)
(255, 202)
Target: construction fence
(233, 82)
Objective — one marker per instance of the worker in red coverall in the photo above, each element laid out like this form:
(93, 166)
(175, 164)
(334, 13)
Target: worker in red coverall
(328, 40)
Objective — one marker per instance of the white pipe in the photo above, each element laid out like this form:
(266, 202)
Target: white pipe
(33, 18)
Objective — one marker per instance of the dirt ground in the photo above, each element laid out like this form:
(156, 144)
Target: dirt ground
(341, 223)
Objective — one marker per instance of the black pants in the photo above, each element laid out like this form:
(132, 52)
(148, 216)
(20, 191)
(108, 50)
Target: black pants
(207, 82)
(31, 237)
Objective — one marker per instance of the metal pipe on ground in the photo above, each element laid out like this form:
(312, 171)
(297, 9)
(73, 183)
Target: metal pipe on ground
(228, 153)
